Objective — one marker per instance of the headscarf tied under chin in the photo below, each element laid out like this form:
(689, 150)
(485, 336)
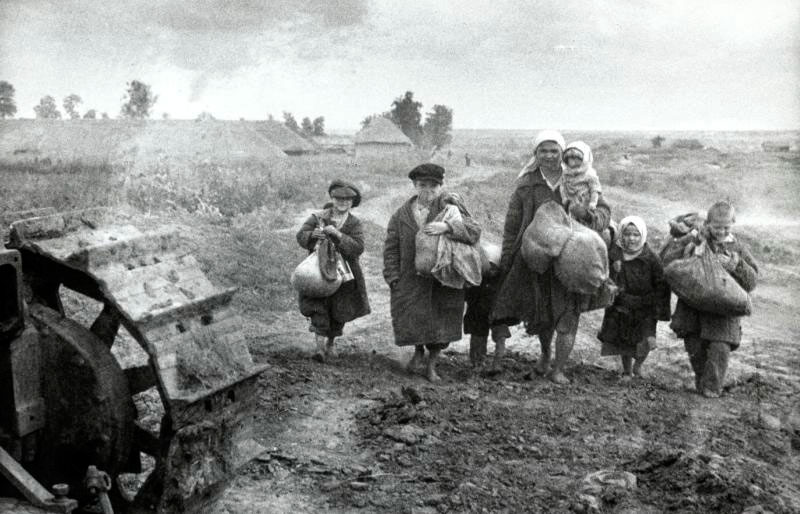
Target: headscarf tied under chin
(542, 137)
(588, 158)
(637, 222)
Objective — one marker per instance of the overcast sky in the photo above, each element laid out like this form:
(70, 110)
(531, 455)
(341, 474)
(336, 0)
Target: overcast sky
(579, 64)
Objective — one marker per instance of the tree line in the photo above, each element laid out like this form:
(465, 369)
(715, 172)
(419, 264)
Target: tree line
(139, 100)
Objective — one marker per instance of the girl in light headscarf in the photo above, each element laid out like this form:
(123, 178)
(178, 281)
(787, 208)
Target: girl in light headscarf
(580, 184)
(629, 325)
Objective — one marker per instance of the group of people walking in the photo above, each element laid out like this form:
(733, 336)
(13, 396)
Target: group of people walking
(429, 315)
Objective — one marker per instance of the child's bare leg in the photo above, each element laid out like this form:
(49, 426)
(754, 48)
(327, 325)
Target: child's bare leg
(499, 353)
(330, 351)
(319, 353)
(626, 368)
(637, 366)
(477, 349)
(716, 366)
(564, 343)
(433, 355)
(416, 360)
(545, 342)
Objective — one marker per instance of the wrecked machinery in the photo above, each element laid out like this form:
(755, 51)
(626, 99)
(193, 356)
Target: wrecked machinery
(72, 434)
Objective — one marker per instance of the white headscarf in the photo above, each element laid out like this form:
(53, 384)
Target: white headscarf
(542, 137)
(588, 158)
(637, 222)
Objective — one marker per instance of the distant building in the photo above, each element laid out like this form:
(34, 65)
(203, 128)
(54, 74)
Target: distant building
(281, 136)
(334, 144)
(381, 138)
(771, 146)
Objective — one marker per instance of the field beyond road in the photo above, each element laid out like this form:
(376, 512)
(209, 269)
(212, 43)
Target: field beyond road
(344, 437)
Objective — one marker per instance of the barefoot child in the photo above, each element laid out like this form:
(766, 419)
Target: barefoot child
(480, 300)
(629, 325)
(709, 338)
(580, 184)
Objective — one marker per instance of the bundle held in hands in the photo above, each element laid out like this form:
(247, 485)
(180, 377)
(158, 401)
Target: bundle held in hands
(582, 265)
(546, 236)
(490, 257)
(318, 276)
(702, 282)
(450, 262)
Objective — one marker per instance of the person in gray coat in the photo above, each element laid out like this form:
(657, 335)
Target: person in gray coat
(425, 314)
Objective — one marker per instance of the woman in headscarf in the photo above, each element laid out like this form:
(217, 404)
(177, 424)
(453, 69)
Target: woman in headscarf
(336, 223)
(629, 325)
(425, 314)
(540, 300)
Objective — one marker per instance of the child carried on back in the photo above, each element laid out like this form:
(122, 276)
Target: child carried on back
(629, 325)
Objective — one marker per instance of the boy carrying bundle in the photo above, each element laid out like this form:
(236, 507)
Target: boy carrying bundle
(709, 338)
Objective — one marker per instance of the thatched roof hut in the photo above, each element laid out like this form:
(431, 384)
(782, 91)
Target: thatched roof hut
(382, 131)
(281, 136)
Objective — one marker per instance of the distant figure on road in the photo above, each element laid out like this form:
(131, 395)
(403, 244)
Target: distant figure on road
(425, 313)
(335, 223)
(467, 160)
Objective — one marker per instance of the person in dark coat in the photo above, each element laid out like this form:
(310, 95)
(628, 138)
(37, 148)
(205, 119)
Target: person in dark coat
(336, 223)
(629, 325)
(425, 314)
(710, 338)
(540, 300)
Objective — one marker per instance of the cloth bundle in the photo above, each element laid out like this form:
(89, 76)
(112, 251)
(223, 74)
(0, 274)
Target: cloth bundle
(545, 237)
(322, 272)
(450, 262)
(702, 282)
(490, 257)
(579, 254)
(582, 265)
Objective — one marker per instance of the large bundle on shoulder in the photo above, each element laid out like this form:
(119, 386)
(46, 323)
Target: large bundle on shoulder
(578, 253)
(682, 231)
(452, 263)
(702, 282)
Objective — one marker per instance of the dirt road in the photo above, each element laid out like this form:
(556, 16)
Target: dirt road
(344, 436)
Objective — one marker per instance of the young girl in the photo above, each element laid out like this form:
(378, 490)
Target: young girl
(629, 325)
(336, 223)
(580, 184)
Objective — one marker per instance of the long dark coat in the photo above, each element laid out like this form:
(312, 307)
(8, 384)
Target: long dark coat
(423, 310)
(537, 299)
(643, 301)
(350, 301)
(690, 322)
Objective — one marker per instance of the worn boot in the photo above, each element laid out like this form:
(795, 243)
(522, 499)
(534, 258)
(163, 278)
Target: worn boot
(564, 343)
(477, 350)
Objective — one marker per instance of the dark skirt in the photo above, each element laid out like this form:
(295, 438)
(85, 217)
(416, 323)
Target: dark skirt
(623, 332)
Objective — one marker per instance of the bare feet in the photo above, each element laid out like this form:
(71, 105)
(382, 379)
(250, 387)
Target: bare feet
(415, 363)
(558, 377)
(625, 378)
(330, 350)
(710, 394)
(432, 376)
(542, 367)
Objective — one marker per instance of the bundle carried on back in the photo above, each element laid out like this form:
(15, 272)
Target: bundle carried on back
(702, 282)
(450, 262)
(682, 231)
